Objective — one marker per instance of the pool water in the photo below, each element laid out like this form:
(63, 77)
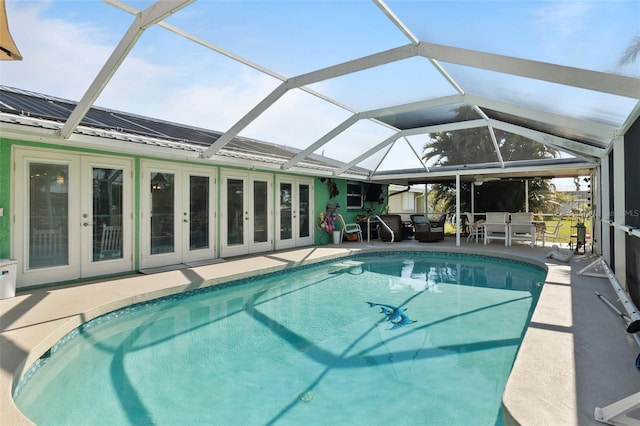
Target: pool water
(302, 347)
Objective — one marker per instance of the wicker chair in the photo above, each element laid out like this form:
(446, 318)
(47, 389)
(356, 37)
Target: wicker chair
(427, 231)
(393, 221)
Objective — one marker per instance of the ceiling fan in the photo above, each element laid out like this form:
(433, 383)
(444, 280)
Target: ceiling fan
(479, 180)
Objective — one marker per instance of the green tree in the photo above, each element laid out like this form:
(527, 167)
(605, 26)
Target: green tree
(475, 146)
(632, 52)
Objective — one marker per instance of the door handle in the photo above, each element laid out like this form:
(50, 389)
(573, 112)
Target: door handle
(85, 224)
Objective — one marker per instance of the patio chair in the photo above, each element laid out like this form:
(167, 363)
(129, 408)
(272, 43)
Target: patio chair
(349, 229)
(522, 228)
(496, 227)
(394, 222)
(476, 230)
(111, 242)
(437, 226)
(555, 234)
(46, 244)
(424, 232)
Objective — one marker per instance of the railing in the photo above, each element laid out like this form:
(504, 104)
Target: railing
(382, 222)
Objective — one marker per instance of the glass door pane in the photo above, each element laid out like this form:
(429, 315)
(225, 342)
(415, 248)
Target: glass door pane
(198, 212)
(260, 206)
(235, 212)
(48, 215)
(303, 209)
(162, 212)
(107, 213)
(286, 200)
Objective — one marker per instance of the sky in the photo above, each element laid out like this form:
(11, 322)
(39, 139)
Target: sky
(65, 43)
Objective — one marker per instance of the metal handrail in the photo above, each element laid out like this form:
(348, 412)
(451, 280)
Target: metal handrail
(383, 224)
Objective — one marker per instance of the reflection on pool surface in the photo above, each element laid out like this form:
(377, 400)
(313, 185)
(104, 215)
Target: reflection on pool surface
(406, 338)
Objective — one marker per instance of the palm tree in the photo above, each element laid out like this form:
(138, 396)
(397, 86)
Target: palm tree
(632, 52)
(475, 146)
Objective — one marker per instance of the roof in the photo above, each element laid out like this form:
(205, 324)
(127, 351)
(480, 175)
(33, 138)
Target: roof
(32, 109)
(380, 78)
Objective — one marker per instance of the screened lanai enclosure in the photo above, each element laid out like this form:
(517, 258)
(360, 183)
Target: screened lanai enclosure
(396, 92)
(142, 134)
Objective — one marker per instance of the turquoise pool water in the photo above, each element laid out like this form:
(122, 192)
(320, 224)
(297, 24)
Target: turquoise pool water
(302, 347)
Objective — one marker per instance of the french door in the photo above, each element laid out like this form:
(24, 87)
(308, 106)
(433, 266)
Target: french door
(246, 214)
(73, 216)
(295, 205)
(177, 219)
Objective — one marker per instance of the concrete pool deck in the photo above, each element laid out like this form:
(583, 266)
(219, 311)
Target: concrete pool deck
(576, 354)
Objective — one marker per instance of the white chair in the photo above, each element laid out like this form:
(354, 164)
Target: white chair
(46, 243)
(349, 229)
(554, 234)
(522, 228)
(496, 227)
(111, 243)
(476, 230)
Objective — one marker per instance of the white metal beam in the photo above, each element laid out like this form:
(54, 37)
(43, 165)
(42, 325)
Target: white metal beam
(547, 139)
(396, 21)
(368, 153)
(412, 106)
(449, 127)
(569, 76)
(539, 170)
(344, 68)
(323, 140)
(598, 130)
(276, 94)
(127, 8)
(154, 13)
(360, 64)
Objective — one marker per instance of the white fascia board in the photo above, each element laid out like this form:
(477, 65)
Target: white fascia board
(102, 142)
(547, 139)
(598, 130)
(613, 84)
(155, 13)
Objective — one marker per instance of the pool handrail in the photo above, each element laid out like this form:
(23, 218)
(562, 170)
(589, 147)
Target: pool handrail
(383, 224)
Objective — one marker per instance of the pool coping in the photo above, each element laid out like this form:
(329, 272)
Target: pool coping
(35, 320)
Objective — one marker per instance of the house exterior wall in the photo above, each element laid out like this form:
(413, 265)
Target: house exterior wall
(8, 231)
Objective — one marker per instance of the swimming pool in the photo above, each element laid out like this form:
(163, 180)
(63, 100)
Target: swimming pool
(301, 347)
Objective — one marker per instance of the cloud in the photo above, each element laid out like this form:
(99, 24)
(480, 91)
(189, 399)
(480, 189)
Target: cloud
(60, 58)
(563, 16)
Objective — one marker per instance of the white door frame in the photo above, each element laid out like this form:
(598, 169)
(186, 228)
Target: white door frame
(80, 194)
(181, 251)
(296, 240)
(110, 266)
(248, 244)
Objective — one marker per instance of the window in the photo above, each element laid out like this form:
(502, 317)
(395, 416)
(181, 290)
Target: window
(408, 201)
(354, 195)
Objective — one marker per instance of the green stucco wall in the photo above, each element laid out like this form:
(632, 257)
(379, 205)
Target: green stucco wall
(5, 196)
